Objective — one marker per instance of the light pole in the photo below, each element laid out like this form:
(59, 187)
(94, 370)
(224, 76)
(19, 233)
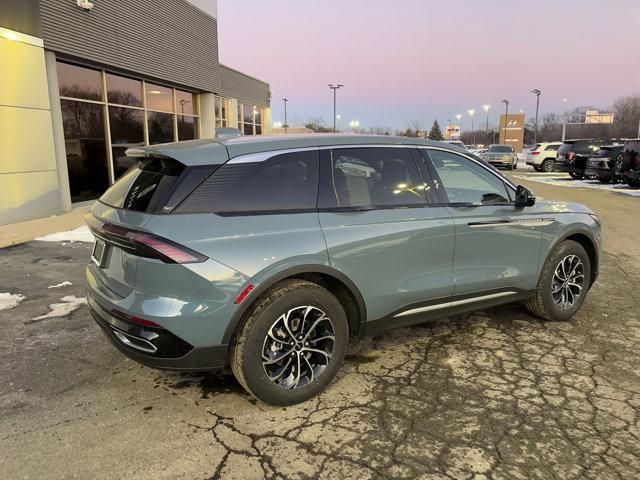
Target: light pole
(459, 117)
(338, 119)
(537, 93)
(334, 88)
(473, 132)
(564, 120)
(285, 114)
(506, 116)
(486, 125)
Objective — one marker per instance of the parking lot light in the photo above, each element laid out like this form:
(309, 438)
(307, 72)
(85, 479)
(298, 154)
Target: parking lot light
(486, 125)
(506, 116)
(473, 132)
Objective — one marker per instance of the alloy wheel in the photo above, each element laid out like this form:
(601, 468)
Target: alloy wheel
(298, 347)
(568, 282)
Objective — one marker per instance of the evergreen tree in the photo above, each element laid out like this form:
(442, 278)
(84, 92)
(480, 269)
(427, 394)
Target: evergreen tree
(435, 133)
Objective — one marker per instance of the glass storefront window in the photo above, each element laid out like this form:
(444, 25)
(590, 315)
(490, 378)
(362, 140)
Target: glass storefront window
(124, 91)
(248, 113)
(247, 128)
(187, 128)
(159, 98)
(160, 127)
(127, 131)
(186, 102)
(258, 115)
(220, 111)
(84, 139)
(79, 82)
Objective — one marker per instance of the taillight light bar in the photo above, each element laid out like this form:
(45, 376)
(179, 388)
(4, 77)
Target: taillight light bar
(137, 320)
(535, 153)
(148, 245)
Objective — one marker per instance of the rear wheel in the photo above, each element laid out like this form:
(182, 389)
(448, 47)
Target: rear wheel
(563, 284)
(291, 343)
(576, 176)
(547, 166)
(632, 182)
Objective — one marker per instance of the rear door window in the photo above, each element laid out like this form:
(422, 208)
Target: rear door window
(551, 148)
(565, 148)
(376, 177)
(259, 183)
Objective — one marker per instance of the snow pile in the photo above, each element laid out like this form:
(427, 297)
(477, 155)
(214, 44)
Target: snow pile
(80, 234)
(66, 283)
(68, 304)
(10, 300)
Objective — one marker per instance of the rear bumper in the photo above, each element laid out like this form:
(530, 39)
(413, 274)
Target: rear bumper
(566, 168)
(593, 172)
(171, 352)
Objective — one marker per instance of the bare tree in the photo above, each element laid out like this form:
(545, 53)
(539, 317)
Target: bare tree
(317, 125)
(626, 118)
(379, 130)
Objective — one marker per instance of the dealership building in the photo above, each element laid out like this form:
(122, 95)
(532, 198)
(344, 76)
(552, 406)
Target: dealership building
(81, 82)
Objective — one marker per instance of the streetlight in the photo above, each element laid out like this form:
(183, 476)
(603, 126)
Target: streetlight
(486, 125)
(473, 132)
(506, 116)
(285, 100)
(338, 119)
(459, 117)
(564, 119)
(354, 124)
(334, 88)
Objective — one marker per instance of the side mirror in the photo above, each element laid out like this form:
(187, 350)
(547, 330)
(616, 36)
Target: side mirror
(524, 197)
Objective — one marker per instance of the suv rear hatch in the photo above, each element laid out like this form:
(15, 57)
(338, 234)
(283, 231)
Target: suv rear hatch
(153, 186)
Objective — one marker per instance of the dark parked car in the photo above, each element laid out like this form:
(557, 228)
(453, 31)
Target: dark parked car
(574, 154)
(603, 164)
(627, 165)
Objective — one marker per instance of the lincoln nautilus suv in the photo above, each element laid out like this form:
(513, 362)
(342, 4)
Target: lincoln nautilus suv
(271, 254)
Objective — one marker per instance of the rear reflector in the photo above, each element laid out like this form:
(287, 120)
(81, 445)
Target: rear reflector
(137, 320)
(243, 294)
(147, 244)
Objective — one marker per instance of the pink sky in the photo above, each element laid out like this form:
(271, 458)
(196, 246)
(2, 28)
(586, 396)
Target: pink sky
(410, 59)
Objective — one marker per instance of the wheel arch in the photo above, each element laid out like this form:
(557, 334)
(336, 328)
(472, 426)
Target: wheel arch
(587, 242)
(333, 280)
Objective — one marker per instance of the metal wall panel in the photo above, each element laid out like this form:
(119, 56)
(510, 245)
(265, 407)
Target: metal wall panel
(238, 85)
(168, 40)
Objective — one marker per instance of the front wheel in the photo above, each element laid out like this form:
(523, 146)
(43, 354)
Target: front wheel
(563, 283)
(291, 343)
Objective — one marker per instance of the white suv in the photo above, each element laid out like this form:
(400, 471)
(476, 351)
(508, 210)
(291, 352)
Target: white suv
(542, 155)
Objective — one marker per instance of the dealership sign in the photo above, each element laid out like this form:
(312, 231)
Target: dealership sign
(452, 131)
(512, 130)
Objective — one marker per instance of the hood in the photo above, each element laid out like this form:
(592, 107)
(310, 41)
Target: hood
(562, 207)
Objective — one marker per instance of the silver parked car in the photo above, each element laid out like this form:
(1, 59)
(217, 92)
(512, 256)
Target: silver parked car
(501, 156)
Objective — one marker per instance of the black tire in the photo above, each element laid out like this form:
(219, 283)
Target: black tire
(547, 166)
(537, 168)
(632, 182)
(604, 180)
(576, 176)
(246, 355)
(542, 303)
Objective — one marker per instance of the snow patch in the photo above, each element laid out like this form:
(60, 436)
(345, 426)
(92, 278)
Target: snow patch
(80, 234)
(10, 300)
(66, 283)
(68, 304)
(564, 180)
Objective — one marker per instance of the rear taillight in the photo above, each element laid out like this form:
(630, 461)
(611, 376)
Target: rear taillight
(535, 153)
(148, 245)
(570, 156)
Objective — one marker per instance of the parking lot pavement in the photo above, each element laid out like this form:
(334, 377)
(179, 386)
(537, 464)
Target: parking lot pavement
(494, 394)
(564, 180)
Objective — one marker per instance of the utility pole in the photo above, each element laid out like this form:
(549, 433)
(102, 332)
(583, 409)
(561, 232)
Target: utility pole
(506, 117)
(285, 114)
(537, 93)
(473, 132)
(334, 88)
(486, 125)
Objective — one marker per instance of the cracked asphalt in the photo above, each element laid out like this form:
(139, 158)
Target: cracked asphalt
(494, 394)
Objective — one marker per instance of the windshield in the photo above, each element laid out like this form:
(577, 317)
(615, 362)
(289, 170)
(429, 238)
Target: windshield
(500, 149)
(565, 148)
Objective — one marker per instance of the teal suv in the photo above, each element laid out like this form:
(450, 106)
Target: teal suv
(271, 254)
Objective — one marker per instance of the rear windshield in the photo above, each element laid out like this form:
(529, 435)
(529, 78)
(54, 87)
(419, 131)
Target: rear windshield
(535, 147)
(565, 148)
(604, 153)
(145, 186)
(501, 148)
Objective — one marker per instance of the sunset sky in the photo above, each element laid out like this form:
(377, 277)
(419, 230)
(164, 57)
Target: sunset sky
(410, 59)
